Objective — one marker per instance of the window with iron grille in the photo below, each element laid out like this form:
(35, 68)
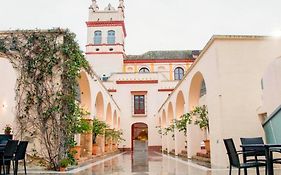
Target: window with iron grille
(178, 73)
(139, 104)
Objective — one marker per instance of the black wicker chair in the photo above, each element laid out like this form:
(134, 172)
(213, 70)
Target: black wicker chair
(8, 155)
(234, 158)
(20, 155)
(276, 160)
(252, 153)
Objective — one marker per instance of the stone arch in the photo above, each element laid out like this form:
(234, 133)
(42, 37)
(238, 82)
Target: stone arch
(119, 124)
(115, 120)
(163, 124)
(139, 136)
(170, 113)
(195, 88)
(85, 92)
(170, 140)
(196, 135)
(99, 106)
(179, 136)
(109, 115)
(179, 104)
(84, 96)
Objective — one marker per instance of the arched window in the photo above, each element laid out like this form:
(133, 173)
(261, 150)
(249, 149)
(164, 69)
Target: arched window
(144, 70)
(203, 89)
(97, 37)
(111, 37)
(178, 73)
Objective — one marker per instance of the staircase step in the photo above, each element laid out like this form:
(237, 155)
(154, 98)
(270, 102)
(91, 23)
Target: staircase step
(183, 154)
(200, 158)
(173, 152)
(201, 161)
(203, 155)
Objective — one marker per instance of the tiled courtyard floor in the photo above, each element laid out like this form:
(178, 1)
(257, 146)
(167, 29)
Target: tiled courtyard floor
(143, 163)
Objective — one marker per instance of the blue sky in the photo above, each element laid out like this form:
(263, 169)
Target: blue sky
(152, 24)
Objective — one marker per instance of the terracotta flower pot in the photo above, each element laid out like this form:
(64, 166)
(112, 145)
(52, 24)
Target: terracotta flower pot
(62, 168)
(76, 152)
(7, 132)
(207, 146)
(96, 149)
(114, 147)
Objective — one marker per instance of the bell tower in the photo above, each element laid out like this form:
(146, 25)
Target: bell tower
(105, 42)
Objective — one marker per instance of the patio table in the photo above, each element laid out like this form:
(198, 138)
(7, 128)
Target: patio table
(268, 154)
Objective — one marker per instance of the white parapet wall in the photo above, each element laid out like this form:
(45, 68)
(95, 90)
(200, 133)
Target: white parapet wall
(232, 68)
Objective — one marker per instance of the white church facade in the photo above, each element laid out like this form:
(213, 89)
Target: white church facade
(234, 76)
(138, 83)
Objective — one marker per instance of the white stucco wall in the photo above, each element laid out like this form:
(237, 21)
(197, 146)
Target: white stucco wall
(233, 89)
(232, 68)
(102, 15)
(8, 78)
(106, 64)
(271, 97)
(165, 69)
(124, 99)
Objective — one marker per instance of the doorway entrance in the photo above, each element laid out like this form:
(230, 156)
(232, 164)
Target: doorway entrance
(139, 137)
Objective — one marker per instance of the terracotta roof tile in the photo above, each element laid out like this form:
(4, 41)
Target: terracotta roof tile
(175, 54)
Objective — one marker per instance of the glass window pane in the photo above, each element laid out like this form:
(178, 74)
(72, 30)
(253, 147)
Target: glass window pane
(139, 104)
(144, 70)
(97, 37)
(178, 73)
(111, 37)
(203, 89)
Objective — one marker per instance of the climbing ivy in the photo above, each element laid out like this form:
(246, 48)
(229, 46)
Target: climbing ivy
(48, 64)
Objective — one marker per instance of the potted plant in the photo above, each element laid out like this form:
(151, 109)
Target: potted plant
(202, 120)
(108, 134)
(82, 127)
(170, 128)
(116, 138)
(112, 138)
(97, 129)
(7, 130)
(63, 164)
(181, 124)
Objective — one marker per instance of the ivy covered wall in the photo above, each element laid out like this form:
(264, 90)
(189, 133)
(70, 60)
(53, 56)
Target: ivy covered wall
(48, 64)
